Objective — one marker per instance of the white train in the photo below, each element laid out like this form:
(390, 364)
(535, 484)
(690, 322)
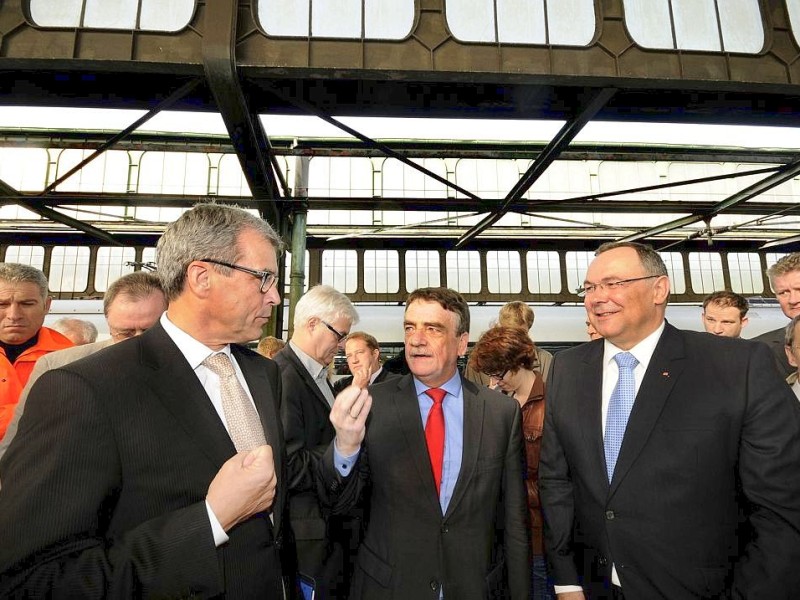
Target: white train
(555, 325)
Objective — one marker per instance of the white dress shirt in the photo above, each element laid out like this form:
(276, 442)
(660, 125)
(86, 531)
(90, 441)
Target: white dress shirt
(643, 352)
(195, 353)
(318, 372)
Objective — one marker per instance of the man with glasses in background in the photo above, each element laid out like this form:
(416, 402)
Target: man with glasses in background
(652, 456)
(322, 320)
(132, 304)
(156, 468)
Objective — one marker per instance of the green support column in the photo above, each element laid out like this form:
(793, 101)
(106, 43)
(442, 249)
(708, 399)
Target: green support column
(298, 267)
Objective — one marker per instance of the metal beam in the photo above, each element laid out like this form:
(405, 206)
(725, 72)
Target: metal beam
(551, 152)
(781, 242)
(388, 151)
(49, 213)
(247, 135)
(163, 105)
(782, 175)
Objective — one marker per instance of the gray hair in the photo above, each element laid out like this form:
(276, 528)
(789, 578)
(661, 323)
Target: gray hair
(19, 273)
(136, 286)
(325, 303)
(786, 264)
(205, 231)
(77, 330)
(650, 259)
(788, 338)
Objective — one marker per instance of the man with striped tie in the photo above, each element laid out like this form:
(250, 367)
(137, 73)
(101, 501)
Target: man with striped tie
(669, 464)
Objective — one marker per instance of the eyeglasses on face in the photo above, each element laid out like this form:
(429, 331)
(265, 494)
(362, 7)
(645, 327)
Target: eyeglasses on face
(590, 288)
(498, 376)
(268, 278)
(339, 335)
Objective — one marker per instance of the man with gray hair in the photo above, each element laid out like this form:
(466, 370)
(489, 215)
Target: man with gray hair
(156, 468)
(24, 302)
(792, 348)
(78, 331)
(784, 277)
(132, 304)
(322, 320)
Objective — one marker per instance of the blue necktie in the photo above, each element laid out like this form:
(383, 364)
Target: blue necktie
(619, 409)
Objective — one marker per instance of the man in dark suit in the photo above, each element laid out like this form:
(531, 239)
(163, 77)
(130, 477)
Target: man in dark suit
(322, 320)
(442, 461)
(131, 305)
(138, 472)
(363, 356)
(784, 277)
(656, 455)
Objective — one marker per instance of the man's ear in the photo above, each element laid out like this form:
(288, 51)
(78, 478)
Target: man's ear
(463, 343)
(790, 356)
(47, 302)
(198, 278)
(661, 290)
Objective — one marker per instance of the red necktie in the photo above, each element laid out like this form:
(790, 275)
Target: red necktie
(434, 434)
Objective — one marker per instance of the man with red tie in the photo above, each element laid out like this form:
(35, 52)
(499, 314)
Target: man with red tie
(439, 462)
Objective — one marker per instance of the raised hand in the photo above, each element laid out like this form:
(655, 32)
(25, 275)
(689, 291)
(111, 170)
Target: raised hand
(349, 416)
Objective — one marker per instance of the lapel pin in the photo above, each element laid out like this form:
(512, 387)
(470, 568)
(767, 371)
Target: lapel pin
(665, 374)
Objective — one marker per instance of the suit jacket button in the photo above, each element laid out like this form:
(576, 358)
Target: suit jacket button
(434, 585)
(602, 561)
(610, 515)
(445, 529)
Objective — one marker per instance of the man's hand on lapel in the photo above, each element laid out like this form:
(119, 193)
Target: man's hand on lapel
(349, 417)
(244, 486)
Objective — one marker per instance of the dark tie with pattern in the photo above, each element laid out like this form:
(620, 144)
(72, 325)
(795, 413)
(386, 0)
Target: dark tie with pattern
(434, 434)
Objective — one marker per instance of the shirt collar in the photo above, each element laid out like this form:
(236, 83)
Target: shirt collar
(194, 351)
(312, 366)
(643, 351)
(375, 375)
(452, 386)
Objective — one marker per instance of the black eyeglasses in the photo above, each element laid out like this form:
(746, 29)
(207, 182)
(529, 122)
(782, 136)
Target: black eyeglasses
(268, 278)
(591, 288)
(498, 376)
(339, 335)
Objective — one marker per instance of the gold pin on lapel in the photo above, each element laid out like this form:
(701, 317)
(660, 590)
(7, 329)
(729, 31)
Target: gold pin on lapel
(665, 374)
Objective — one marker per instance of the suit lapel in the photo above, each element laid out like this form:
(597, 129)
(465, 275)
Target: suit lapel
(303, 373)
(590, 396)
(256, 377)
(406, 407)
(471, 442)
(665, 367)
(172, 380)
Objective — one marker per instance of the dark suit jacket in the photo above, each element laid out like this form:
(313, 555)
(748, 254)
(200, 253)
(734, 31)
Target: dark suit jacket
(342, 383)
(776, 341)
(104, 485)
(480, 548)
(306, 423)
(714, 430)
